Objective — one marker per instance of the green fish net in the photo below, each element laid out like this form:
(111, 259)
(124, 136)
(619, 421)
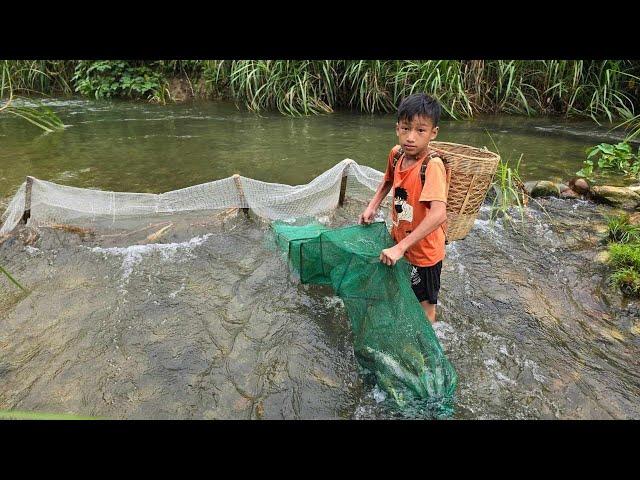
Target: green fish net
(393, 341)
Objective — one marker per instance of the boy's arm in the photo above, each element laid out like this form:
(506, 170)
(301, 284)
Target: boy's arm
(381, 192)
(374, 204)
(436, 216)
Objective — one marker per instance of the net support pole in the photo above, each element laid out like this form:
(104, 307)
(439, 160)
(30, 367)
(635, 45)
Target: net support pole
(27, 200)
(236, 179)
(343, 185)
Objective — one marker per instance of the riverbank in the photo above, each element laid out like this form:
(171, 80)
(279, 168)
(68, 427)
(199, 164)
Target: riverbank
(605, 89)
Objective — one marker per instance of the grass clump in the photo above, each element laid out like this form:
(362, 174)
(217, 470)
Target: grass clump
(621, 230)
(509, 190)
(627, 279)
(624, 254)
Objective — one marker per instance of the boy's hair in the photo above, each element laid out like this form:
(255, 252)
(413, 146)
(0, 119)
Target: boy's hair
(419, 104)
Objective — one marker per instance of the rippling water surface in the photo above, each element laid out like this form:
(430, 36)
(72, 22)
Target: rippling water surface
(137, 147)
(209, 322)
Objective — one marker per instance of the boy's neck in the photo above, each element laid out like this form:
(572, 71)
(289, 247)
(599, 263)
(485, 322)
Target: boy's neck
(416, 156)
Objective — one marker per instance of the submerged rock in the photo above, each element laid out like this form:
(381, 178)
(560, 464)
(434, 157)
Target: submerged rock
(545, 188)
(622, 197)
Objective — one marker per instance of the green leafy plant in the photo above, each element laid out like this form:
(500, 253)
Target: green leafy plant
(118, 78)
(612, 158)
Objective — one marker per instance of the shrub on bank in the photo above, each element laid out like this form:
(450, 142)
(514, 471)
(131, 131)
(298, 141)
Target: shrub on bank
(119, 78)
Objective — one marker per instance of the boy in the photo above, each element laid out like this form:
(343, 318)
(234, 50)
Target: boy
(418, 212)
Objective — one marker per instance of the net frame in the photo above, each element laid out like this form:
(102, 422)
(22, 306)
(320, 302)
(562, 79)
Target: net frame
(45, 203)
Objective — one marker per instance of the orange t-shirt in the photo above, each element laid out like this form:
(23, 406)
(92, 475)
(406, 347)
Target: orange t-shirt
(411, 204)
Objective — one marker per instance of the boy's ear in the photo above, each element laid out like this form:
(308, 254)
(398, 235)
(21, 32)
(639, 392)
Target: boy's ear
(434, 133)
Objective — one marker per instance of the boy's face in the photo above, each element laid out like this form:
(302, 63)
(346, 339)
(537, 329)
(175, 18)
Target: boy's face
(414, 136)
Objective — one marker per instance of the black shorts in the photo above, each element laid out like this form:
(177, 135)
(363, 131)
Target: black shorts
(425, 282)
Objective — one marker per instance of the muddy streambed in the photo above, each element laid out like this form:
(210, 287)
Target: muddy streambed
(208, 322)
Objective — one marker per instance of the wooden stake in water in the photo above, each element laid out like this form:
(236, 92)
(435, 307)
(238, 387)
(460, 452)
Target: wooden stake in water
(343, 184)
(236, 179)
(343, 191)
(27, 200)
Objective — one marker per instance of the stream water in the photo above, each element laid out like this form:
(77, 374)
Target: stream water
(209, 322)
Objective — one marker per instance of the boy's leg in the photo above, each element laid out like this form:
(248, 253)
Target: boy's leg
(425, 282)
(429, 311)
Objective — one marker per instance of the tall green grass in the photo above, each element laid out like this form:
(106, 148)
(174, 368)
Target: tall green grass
(37, 77)
(510, 194)
(599, 89)
(41, 117)
(509, 190)
(291, 87)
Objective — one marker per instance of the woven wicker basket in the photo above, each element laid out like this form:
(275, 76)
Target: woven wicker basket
(471, 171)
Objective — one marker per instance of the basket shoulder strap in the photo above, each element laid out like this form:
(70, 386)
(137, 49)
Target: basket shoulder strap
(423, 171)
(396, 156)
(423, 167)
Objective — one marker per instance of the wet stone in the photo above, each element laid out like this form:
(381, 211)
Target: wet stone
(545, 188)
(581, 186)
(568, 193)
(621, 197)
(529, 186)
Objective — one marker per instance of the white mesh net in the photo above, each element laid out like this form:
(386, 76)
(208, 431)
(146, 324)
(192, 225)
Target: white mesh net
(58, 204)
(14, 211)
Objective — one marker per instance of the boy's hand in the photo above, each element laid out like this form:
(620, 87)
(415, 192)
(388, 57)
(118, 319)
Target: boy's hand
(389, 256)
(366, 216)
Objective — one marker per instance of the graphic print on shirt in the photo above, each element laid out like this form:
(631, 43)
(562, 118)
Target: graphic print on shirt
(404, 211)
